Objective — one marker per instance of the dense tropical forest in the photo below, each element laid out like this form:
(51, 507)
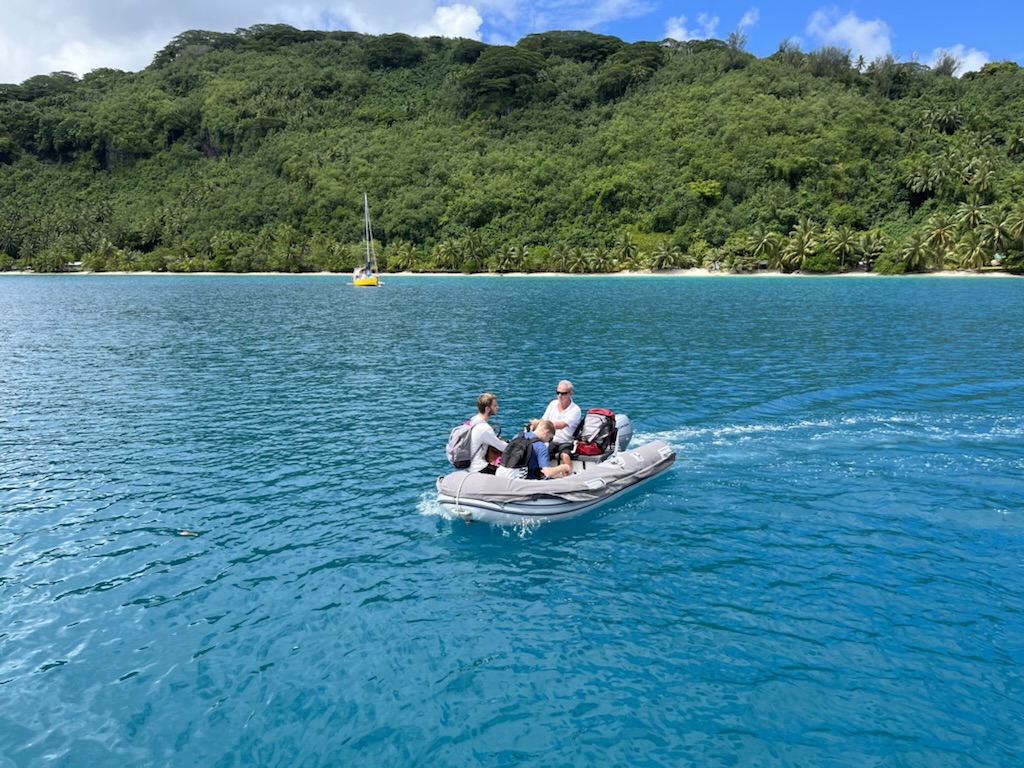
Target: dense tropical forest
(569, 151)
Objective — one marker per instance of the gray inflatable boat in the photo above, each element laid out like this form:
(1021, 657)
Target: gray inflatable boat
(493, 499)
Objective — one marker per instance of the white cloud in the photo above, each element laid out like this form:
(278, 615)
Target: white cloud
(373, 18)
(870, 39)
(676, 29)
(81, 56)
(82, 35)
(971, 60)
(750, 19)
(452, 21)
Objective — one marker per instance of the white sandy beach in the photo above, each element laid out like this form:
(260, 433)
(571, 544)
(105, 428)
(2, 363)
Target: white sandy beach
(669, 273)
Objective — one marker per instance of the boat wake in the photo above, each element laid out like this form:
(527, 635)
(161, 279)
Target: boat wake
(428, 506)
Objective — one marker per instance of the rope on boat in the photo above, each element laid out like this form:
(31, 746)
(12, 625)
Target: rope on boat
(458, 493)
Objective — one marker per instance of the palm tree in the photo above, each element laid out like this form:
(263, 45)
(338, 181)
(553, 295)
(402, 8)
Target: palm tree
(287, 254)
(1015, 224)
(945, 120)
(941, 235)
(712, 259)
(522, 255)
(939, 174)
(997, 230)
(625, 250)
(401, 256)
(513, 258)
(242, 255)
(971, 213)
(262, 247)
(601, 260)
(764, 244)
(872, 246)
(128, 259)
(103, 255)
(972, 251)
(474, 251)
(842, 243)
(224, 246)
(446, 255)
(915, 253)
(918, 180)
(53, 259)
(577, 260)
(339, 257)
(982, 175)
(744, 261)
(801, 244)
(665, 256)
(559, 258)
(507, 259)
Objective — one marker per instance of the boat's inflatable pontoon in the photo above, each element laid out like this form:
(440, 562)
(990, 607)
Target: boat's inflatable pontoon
(493, 499)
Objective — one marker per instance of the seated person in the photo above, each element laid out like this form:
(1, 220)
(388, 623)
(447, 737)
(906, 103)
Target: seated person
(483, 436)
(566, 416)
(539, 466)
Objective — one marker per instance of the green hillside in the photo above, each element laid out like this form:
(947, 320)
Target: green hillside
(569, 151)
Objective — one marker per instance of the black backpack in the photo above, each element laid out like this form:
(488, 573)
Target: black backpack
(519, 453)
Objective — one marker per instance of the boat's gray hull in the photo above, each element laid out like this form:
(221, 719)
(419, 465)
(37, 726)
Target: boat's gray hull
(488, 498)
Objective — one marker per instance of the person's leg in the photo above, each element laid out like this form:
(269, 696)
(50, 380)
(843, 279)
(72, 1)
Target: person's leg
(559, 453)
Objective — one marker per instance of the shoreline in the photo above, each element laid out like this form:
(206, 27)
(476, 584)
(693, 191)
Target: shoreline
(668, 273)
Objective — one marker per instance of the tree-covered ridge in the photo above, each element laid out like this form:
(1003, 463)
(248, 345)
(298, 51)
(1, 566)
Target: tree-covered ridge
(568, 151)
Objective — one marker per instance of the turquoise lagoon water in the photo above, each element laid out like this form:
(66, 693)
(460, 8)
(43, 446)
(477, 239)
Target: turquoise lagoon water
(831, 575)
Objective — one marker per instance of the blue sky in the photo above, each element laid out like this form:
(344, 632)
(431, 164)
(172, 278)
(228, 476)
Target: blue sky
(42, 36)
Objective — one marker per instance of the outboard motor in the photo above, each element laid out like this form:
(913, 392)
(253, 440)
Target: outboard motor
(624, 429)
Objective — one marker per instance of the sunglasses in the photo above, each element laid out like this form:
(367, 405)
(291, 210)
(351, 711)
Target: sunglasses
(562, 393)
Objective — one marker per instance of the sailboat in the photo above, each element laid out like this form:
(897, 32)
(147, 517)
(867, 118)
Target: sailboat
(368, 273)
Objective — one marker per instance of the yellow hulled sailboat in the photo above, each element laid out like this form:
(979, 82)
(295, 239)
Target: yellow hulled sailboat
(368, 274)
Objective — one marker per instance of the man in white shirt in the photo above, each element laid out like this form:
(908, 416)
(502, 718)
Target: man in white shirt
(566, 416)
(482, 436)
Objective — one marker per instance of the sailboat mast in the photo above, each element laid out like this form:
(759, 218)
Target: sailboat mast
(368, 232)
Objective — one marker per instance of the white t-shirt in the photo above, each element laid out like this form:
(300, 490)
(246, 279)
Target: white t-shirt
(571, 416)
(482, 436)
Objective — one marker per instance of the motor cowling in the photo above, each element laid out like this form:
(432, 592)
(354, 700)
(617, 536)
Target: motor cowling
(624, 429)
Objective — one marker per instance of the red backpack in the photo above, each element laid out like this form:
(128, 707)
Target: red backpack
(596, 433)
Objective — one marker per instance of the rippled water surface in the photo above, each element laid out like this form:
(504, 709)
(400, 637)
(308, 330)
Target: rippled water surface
(832, 574)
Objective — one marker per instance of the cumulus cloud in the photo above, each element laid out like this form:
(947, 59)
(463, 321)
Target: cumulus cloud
(83, 56)
(676, 28)
(372, 18)
(970, 59)
(870, 39)
(81, 35)
(452, 21)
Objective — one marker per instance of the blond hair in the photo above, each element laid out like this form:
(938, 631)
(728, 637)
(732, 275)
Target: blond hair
(544, 425)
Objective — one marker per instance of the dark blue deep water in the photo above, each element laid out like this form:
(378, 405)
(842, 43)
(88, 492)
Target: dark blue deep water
(831, 575)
